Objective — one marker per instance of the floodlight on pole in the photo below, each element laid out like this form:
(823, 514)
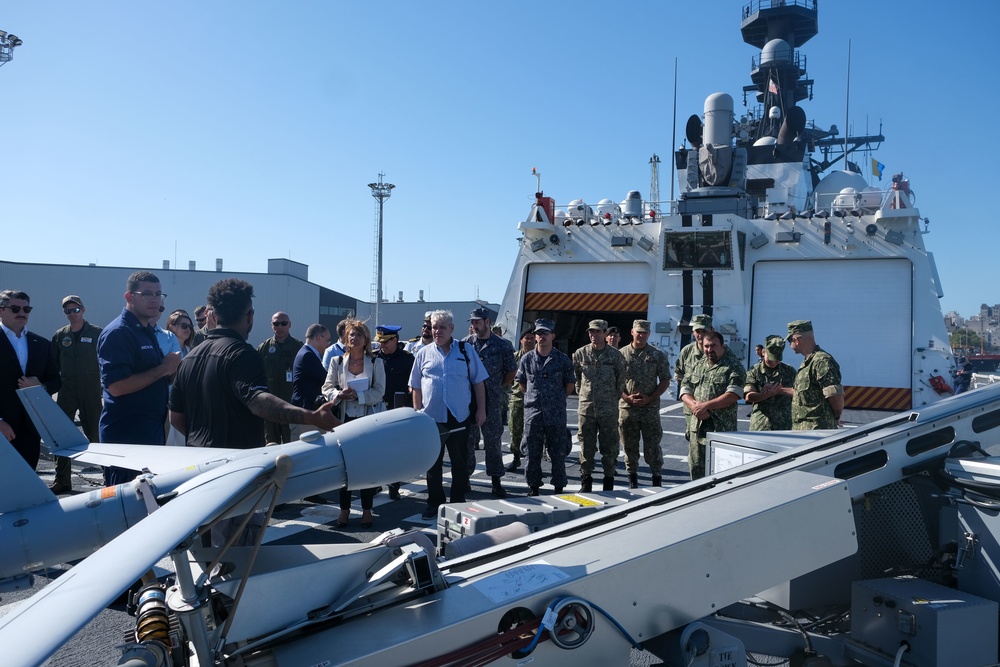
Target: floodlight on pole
(380, 191)
(8, 43)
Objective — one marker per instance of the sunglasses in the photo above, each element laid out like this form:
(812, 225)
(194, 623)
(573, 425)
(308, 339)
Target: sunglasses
(72, 310)
(184, 325)
(280, 323)
(17, 309)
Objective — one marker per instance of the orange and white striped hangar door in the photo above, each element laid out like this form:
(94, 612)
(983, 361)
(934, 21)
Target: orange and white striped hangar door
(573, 293)
(861, 312)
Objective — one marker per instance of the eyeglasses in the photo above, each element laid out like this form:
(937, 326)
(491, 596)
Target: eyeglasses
(201, 320)
(72, 310)
(17, 309)
(151, 295)
(280, 323)
(425, 326)
(185, 325)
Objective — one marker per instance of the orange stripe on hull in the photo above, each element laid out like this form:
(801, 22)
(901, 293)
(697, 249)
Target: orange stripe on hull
(586, 302)
(877, 398)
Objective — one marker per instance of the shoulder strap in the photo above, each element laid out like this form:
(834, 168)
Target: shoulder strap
(468, 366)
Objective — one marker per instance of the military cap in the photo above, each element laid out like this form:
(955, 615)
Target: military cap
(600, 325)
(699, 322)
(72, 298)
(480, 314)
(544, 325)
(798, 327)
(427, 315)
(774, 348)
(384, 332)
(529, 331)
(640, 325)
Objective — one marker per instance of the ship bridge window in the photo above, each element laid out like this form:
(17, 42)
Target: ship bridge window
(698, 250)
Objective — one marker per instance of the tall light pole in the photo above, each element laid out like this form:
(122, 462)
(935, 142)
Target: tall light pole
(8, 43)
(380, 191)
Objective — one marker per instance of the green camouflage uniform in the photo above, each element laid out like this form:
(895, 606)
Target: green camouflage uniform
(600, 377)
(278, 360)
(705, 382)
(817, 380)
(775, 413)
(644, 369)
(516, 416)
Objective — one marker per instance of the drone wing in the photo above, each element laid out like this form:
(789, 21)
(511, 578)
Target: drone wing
(70, 602)
(63, 438)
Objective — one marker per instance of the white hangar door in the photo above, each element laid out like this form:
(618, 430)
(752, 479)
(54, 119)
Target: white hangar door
(861, 311)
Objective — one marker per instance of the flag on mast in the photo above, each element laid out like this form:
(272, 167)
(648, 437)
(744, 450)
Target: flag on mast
(877, 168)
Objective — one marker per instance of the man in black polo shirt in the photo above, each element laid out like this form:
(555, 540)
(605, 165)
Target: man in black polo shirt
(219, 397)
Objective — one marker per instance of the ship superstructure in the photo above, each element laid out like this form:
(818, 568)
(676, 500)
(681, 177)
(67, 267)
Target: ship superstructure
(767, 229)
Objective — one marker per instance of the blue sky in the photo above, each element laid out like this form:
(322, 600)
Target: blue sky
(135, 132)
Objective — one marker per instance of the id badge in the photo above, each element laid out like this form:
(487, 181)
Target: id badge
(288, 376)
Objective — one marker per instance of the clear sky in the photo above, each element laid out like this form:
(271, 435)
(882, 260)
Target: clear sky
(133, 132)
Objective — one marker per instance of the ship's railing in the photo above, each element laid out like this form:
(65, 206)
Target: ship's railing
(798, 60)
(756, 5)
(984, 379)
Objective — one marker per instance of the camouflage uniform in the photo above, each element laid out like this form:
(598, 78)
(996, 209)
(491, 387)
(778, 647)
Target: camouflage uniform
(689, 355)
(705, 382)
(516, 423)
(817, 380)
(644, 370)
(600, 377)
(775, 413)
(278, 360)
(545, 380)
(497, 355)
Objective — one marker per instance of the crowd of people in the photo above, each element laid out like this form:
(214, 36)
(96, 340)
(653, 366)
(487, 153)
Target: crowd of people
(197, 382)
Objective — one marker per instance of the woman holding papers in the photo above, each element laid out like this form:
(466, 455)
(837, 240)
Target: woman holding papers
(355, 383)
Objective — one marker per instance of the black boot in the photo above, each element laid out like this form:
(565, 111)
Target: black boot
(498, 489)
(394, 490)
(586, 484)
(534, 491)
(633, 480)
(514, 465)
(657, 481)
(609, 483)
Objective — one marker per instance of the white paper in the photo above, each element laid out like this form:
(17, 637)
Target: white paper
(358, 384)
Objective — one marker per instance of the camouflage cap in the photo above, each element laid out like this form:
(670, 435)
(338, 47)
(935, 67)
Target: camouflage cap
(798, 327)
(699, 322)
(544, 325)
(774, 348)
(640, 325)
(480, 314)
(600, 325)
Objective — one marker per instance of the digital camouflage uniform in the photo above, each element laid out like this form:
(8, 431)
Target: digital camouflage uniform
(644, 370)
(817, 380)
(497, 355)
(278, 361)
(775, 413)
(516, 421)
(76, 357)
(705, 382)
(545, 380)
(600, 377)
